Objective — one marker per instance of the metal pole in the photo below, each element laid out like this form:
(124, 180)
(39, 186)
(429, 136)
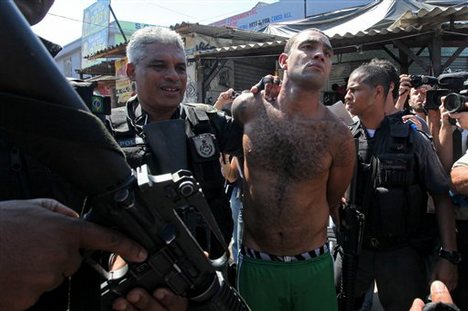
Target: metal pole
(305, 8)
(118, 24)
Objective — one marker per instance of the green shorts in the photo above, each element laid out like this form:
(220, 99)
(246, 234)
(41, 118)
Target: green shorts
(298, 285)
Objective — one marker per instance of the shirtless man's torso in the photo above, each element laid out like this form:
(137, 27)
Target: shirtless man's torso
(299, 160)
(287, 167)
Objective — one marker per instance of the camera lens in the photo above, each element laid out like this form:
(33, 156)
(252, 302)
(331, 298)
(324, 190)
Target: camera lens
(454, 102)
(416, 81)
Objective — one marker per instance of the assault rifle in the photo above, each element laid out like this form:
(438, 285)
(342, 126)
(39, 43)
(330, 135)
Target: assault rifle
(146, 210)
(350, 236)
(51, 123)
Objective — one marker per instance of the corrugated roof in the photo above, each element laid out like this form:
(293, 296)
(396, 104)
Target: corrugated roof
(115, 51)
(436, 16)
(280, 43)
(224, 32)
(251, 47)
(102, 78)
(118, 50)
(407, 24)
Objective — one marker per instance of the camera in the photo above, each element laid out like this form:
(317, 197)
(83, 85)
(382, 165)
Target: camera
(97, 104)
(235, 94)
(451, 85)
(433, 98)
(456, 102)
(458, 83)
(419, 80)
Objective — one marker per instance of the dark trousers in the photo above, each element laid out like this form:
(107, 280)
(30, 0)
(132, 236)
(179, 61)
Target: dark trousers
(460, 294)
(400, 275)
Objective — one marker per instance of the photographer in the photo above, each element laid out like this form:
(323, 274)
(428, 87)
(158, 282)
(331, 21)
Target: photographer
(451, 149)
(414, 99)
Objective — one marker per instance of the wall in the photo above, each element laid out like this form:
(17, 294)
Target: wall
(71, 53)
(69, 59)
(197, 42)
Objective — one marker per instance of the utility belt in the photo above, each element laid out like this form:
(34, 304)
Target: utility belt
(385, 243)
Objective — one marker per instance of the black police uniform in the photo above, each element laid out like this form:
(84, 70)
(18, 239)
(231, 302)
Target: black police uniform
(23, 177)
(207, 134)
(397, 167)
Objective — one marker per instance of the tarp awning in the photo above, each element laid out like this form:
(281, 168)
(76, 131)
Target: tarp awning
(379, 21)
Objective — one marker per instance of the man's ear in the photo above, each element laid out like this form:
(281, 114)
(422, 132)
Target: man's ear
(131, 71)
(283, 61)
(391, 88)
(379, 91)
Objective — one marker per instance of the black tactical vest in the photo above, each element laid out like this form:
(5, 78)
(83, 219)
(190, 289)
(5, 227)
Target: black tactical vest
(202, 155)
(389, 192)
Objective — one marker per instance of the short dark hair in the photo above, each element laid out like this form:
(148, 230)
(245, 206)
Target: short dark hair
(290, 42)
(373, 75)
(392, 72)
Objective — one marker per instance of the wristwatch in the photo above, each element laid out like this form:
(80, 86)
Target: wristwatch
(452, 256)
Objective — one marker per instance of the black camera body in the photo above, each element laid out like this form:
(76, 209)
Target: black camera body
(458, 84)
(451, 85)
(433, 98)
(419, 80)
(235, 94)
(455, 102)
(98, 104)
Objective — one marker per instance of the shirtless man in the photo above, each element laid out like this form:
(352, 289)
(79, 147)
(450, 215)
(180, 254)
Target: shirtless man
(299, 160)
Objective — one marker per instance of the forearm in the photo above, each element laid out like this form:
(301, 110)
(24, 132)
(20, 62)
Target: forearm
(433, 122)
(219, 104)
(459, 177)
(446, 221)
(400, 103)
(444, 146)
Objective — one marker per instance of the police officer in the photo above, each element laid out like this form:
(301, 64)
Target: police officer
(396, 168)
(158, 65)
(41, 239)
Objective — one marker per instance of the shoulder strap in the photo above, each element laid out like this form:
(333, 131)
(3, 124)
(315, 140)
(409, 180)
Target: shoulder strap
(401, 135)
(198, 117)
(355, 128)
(119, 122)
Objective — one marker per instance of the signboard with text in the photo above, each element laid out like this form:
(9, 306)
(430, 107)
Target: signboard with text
(123, 90)
(95, 33)
(282, 11)
(262, 15)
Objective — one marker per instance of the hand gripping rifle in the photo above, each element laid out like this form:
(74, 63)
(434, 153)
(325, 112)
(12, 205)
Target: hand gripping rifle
(350, 236)
(43, 115)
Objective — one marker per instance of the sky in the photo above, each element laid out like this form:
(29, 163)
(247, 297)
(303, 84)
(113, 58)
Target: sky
(63, 23)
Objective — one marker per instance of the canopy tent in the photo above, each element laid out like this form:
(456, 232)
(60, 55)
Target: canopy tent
(376, 15)
(380, 25)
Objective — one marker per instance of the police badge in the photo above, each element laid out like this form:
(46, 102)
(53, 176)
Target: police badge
(204, 145)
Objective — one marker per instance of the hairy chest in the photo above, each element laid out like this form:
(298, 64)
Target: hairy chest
(295, 148)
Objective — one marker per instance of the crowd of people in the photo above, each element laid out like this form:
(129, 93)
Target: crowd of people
(288, 161)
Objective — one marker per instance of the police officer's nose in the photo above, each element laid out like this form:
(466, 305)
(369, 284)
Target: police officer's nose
(171, 74)
(348, 95)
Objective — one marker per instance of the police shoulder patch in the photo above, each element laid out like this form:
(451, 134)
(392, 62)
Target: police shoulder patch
(204, 145)
(200, 106)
